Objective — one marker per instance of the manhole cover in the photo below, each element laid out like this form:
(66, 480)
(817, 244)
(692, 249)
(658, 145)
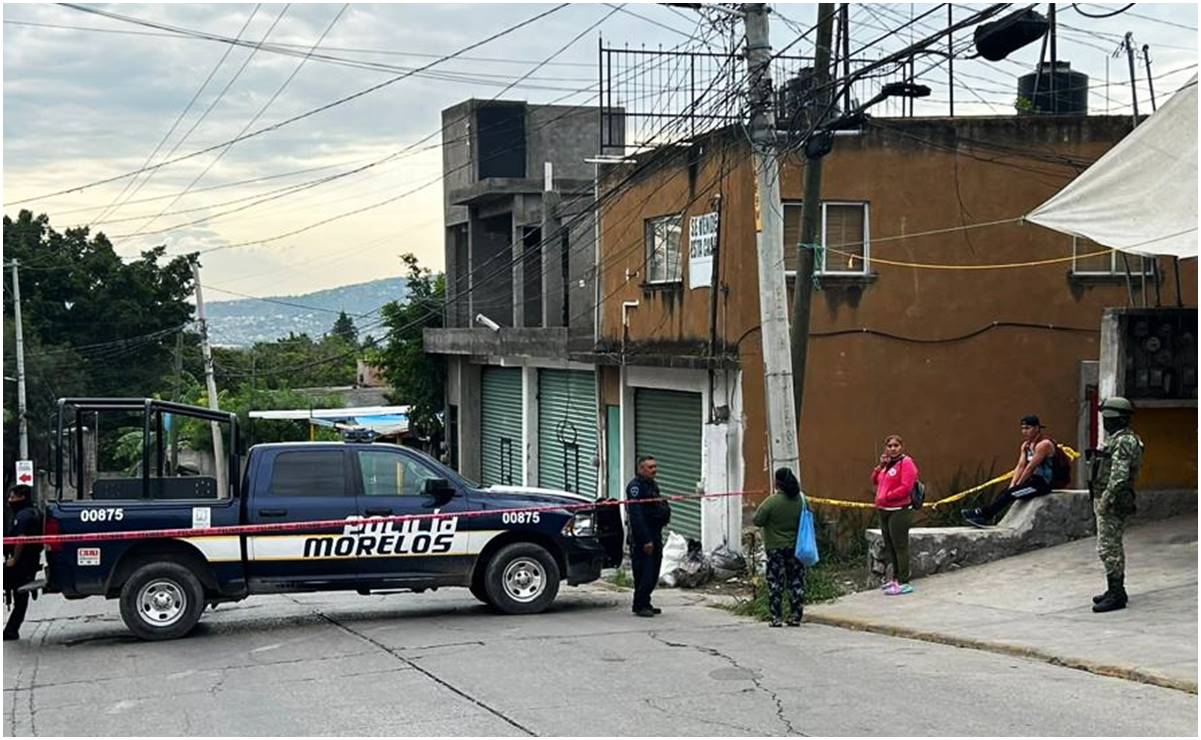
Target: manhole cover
(733, 674)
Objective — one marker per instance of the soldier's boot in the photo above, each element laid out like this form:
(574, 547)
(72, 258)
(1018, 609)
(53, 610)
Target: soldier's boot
(1115, 599)
(1101, 596)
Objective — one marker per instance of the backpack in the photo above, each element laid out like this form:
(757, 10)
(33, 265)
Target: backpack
(918, 495)
(1061, 468)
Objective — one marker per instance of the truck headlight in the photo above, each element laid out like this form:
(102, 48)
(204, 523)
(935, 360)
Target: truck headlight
(580, 525)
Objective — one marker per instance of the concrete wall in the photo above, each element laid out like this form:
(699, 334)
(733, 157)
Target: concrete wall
(932, 365)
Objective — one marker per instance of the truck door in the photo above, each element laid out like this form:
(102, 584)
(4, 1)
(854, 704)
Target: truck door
(392, 482)
(303, 485)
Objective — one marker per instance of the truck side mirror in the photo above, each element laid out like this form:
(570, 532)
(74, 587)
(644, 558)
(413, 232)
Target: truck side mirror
(438, 488)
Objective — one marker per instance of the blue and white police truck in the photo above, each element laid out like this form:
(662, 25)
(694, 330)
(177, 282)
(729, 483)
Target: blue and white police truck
(511, 560)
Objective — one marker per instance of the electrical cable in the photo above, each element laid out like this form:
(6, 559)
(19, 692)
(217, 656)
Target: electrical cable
(293, 119)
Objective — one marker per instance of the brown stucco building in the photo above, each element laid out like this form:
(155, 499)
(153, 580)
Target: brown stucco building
(949, 357)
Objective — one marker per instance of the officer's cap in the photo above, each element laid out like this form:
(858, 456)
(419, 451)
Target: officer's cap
(1116, 406)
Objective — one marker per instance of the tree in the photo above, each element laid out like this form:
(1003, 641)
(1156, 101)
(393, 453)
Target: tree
(417, 379)
(94, 324)
(344, 327)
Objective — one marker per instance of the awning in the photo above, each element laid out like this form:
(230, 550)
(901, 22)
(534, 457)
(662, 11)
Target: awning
(383, 420)
(1141, 197)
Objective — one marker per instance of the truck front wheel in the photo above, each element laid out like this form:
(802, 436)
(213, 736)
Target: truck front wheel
(162, 601)
(522, 578)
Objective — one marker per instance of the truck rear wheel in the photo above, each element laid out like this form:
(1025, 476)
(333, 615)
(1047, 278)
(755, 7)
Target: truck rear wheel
(522, 578)
(162, 601)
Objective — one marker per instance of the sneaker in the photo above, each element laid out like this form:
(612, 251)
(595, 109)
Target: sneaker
(775, 623)
(899, 589)
(656, 610)
(644, 613)
(888, 585)
(975, 517)
(794, 622)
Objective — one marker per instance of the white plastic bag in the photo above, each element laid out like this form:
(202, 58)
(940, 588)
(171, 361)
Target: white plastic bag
(674, 553)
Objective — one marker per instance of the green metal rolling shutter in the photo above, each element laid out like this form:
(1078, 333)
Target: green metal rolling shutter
(567, 430)
(501, 450)
(667, 424)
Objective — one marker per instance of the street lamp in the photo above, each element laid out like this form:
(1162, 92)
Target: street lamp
(821, 142)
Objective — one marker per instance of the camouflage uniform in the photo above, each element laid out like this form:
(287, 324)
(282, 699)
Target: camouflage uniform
(1112, 486)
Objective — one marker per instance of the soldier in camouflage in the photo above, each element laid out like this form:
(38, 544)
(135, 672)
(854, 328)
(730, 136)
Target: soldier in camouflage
(1113, 470)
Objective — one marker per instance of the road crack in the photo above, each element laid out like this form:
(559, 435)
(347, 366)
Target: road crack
(427, 673)
(755, 679)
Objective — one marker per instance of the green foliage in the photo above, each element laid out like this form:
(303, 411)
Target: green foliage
(417, 379)
(961, 480)
(344, 327)
(1023, 105)
(94, 324)
(296, 361)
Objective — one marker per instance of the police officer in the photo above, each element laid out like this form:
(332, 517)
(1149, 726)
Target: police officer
(647, 521)
(21, 562)
(1113, 470)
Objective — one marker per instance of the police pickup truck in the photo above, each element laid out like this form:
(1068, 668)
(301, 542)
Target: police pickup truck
(511, 560)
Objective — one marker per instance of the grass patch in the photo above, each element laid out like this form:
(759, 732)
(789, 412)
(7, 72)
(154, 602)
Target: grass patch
(621, 578)
(826, 581)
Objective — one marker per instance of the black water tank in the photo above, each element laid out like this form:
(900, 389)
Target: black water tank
(1071, 90)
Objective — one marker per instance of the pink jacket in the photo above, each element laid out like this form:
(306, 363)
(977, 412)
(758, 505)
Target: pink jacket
(894, 485)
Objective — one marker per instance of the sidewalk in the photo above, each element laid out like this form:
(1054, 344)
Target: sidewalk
(1038, 605)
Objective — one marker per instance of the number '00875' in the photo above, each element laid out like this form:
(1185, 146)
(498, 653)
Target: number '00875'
(101, 515)
(520, 517)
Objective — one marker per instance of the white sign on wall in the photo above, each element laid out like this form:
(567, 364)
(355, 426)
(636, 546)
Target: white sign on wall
(702, 241)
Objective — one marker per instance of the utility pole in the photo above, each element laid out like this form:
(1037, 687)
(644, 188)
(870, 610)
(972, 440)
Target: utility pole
(219, 461)
(1054, 58)
(810, 214)
(175, 397)
(22, 424)
(769, 242)
(1150, 79)
(1129, 44)
(554, 282)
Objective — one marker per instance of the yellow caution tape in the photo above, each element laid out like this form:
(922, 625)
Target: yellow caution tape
(1072, 455)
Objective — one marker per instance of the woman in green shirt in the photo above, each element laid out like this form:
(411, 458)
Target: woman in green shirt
(780, 516)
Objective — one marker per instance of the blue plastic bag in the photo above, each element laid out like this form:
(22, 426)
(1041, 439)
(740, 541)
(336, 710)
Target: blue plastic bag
(806, 537)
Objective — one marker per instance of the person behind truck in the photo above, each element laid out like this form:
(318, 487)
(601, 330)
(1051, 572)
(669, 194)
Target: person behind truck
(21, 562)
(780, 516)
(894, 479)
(648, 514)
(1031, 477)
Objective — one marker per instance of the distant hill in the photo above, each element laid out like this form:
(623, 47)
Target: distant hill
(243, 322)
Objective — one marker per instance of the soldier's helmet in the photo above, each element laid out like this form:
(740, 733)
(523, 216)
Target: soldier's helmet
(1116, 406)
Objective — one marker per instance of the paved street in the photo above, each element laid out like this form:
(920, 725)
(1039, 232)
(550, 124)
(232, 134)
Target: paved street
(440, 664)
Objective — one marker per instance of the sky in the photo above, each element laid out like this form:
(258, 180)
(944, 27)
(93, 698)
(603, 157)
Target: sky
(88, 98)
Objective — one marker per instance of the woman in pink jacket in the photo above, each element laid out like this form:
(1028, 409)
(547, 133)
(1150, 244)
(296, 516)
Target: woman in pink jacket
(894, 478)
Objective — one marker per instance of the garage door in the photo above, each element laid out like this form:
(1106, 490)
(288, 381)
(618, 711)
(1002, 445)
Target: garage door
(667, 424)
(501, 449)
(567, 430)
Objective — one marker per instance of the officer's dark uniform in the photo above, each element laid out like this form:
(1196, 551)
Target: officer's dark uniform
(647, 521)
(24, 523)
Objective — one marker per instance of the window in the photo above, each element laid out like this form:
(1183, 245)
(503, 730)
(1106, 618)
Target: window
(663, 249)
(308, 473)
(845, 242)
(846, 239)
(1087, 261)
(392, 474)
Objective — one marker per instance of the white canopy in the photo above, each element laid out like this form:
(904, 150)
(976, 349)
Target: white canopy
(1140, 197)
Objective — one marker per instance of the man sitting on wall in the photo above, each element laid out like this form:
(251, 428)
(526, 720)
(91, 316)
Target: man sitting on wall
(1032, 476)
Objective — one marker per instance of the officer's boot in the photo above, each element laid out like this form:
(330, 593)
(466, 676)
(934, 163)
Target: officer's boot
(1101, 596)
(1115, 599)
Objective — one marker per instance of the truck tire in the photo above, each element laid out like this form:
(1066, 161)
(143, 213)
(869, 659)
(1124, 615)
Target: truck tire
(522, 578)
(162, 601)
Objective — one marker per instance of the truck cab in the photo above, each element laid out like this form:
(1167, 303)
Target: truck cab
(298, 516)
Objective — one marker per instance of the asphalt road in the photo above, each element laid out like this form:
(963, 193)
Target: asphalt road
(441, 664)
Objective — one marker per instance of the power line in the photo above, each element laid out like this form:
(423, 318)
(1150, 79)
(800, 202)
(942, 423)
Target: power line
(280, 124)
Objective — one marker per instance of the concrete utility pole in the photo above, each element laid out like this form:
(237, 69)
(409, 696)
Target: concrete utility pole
(22, 425)
(811, 215)
(219, 461)
(1129, 43)
(554, 287)
(769, 240)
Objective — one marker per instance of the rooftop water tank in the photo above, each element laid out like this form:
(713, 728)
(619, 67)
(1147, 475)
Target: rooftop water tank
(1071, 90)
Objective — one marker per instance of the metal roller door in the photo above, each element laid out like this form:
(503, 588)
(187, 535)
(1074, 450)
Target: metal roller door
(567, 430)
(667, 424)
(501, 448)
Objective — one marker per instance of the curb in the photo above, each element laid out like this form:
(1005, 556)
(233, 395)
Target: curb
(1100, 669)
